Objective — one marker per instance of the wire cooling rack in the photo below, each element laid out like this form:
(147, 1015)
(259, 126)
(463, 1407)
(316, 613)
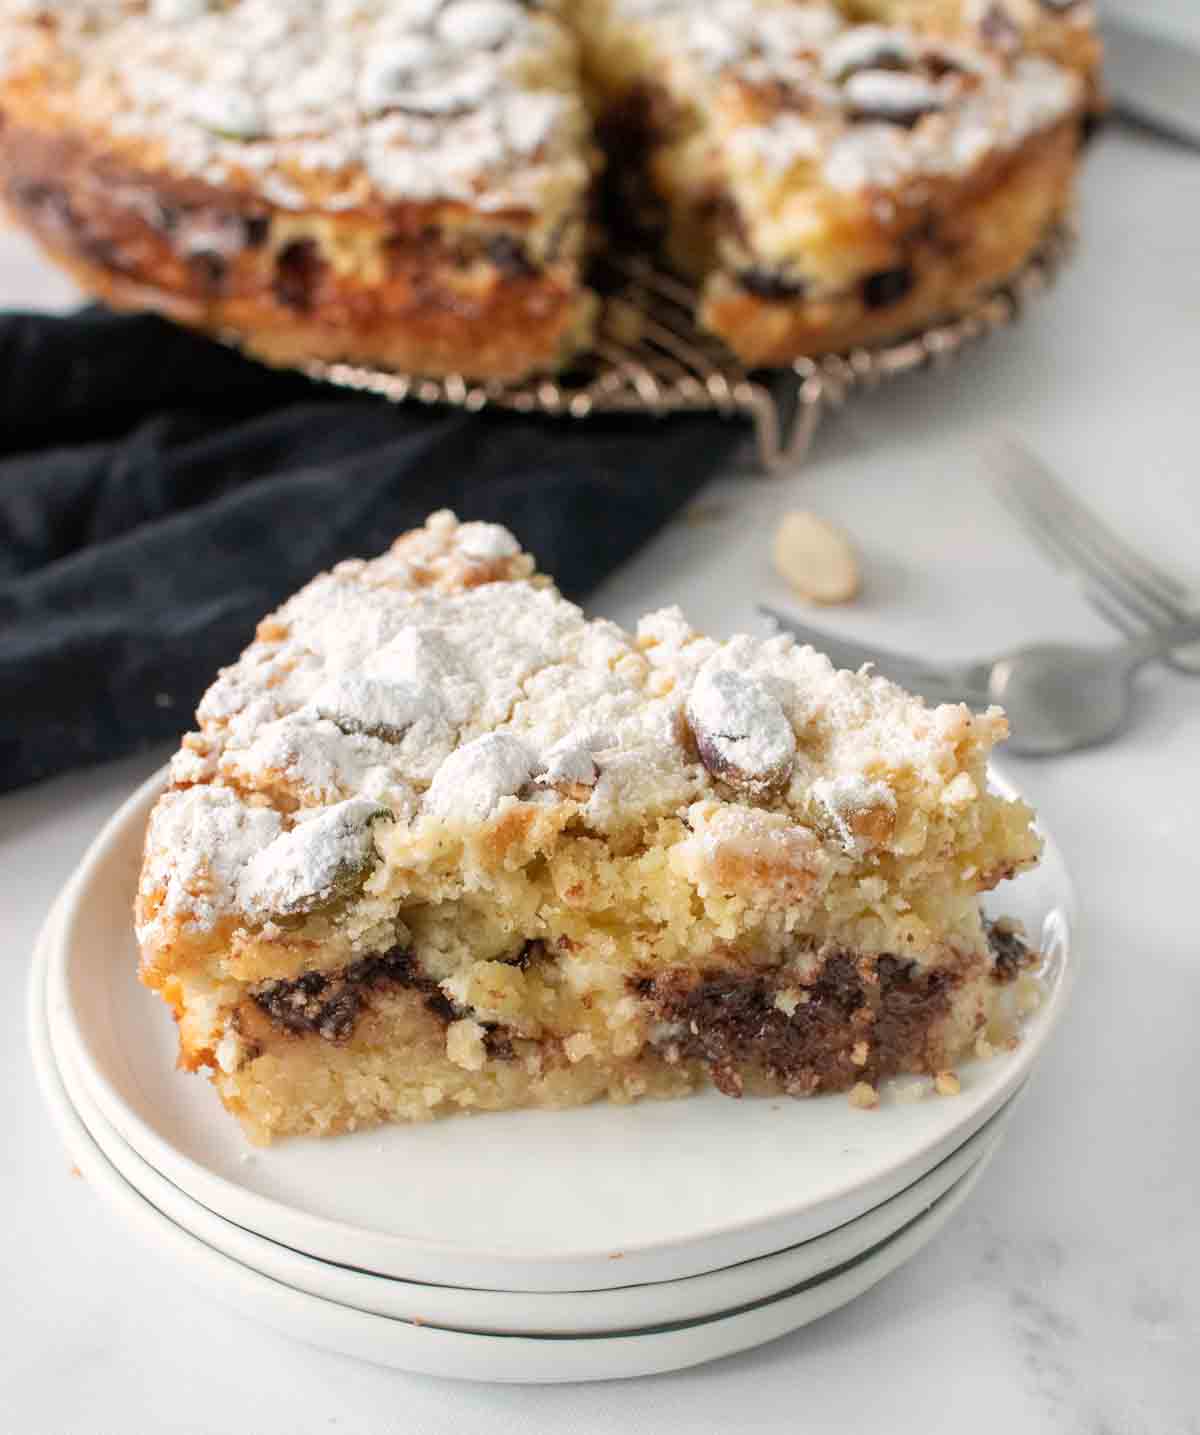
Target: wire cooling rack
(649, 357)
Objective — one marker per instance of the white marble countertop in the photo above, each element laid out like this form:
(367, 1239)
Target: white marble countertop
(1065, 1299)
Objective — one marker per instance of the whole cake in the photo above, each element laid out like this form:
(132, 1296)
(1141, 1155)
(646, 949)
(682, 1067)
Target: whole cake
(414, 182)
(443, 844)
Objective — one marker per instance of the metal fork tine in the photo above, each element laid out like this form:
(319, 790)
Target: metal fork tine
(1118, 617)
(1156, 582)
(1149, 611)
(1103, 589)
(1127, 589)
(1042, 534)
(1108, 563)
(1099, 573)
(1030, 481)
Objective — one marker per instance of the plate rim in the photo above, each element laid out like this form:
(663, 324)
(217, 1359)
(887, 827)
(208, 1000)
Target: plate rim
(407, 1256)
(214, 1230)
(459, 1355)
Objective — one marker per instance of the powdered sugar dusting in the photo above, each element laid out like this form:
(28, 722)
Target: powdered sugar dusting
(404, 99)
(572, 759)
(487, 541)
(406, 689)
(198, 845)
(782, 144)
(844, 799)
(318, 763)
(422, 660)
(886, 93)
(741, 731)
(303, 869)
(472, 781)
(358, 703)
(478, 100)
(866, 47)
(871, 106)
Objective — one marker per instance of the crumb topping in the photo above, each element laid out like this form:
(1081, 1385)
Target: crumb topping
(420, 699)
(868, 105)
(478, 100)
(422, 100)
(321, 858)
(470, 784)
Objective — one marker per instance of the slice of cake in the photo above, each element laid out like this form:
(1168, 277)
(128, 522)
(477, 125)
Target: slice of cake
(400, 182)
(443, 844)
(831, 183)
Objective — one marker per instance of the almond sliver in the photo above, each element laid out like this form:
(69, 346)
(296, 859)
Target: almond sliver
(816, 558)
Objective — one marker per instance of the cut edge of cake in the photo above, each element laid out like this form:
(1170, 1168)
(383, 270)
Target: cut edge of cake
(830, 185)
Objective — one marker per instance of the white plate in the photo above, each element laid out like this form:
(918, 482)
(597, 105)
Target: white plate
(499, 1312)
(595, 1198)
(520, 1313)
(431, 1350)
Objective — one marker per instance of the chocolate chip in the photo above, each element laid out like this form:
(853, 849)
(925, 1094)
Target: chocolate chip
(209, 270)
(889, 286)
(733, 1021)
(328, 1004)
(939, 66)
(298, 271)
(510, 256)
(771, 285)
(256, 227)
(532, 951)
(441, 1006)
(1009, 951)
(498, 1044)
(164, 217)
(894, 970)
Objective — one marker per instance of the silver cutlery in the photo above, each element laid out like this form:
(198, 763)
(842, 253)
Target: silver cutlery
(1125, 586)
(1154, 80)
(1058, 697)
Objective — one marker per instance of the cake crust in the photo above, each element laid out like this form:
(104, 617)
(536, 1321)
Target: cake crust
(437, 294)
(440, 843)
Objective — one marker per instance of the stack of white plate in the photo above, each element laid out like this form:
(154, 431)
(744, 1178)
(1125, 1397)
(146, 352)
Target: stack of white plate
(533, 1246)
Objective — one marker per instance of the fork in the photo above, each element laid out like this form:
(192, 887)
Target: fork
(1058, 697)
(1122, 584)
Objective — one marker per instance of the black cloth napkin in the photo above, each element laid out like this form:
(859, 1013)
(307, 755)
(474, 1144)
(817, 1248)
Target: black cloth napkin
(159, 494)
